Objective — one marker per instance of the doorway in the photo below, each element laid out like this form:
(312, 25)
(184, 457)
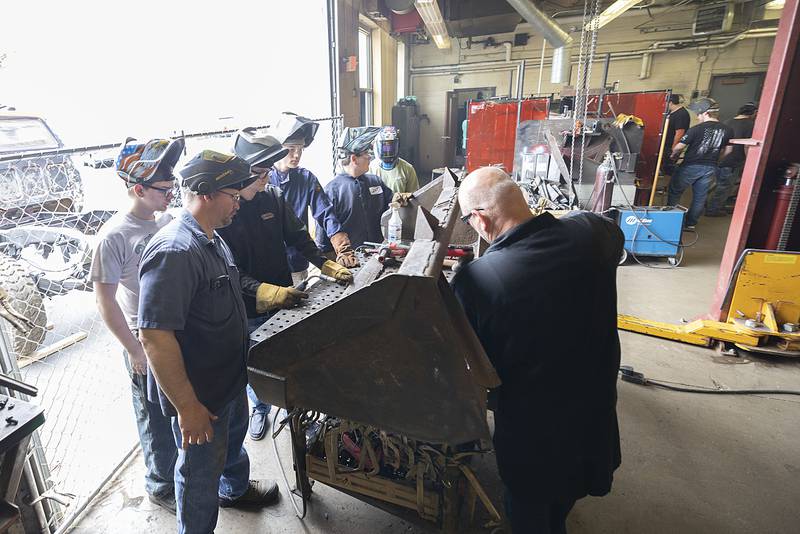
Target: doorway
(731, 91)
(455, 149)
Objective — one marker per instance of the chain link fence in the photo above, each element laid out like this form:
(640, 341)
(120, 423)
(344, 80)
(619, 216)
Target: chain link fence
(53, 201)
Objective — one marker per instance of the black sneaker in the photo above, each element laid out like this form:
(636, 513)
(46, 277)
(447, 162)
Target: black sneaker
(258, 493)
(166, 501)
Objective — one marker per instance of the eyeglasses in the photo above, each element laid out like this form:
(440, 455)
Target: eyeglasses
(235, 196)
(465, 218)
(163, 190)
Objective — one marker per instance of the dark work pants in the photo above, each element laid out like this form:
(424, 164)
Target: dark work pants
(532, 517)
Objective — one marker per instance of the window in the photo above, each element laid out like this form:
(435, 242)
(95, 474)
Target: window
(365, 75)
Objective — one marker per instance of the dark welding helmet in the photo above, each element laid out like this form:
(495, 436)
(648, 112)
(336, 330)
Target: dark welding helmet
(210, 171)
(387, 145)
(258, 148)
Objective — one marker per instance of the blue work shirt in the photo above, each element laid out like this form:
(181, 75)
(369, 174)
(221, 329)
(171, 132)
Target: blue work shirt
(358, 203)
(301, 190)
(189, 284)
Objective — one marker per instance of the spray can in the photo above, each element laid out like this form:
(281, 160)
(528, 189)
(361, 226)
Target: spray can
(395, 230)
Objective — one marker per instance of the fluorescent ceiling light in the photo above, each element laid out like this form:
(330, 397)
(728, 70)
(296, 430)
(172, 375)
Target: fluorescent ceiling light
(611, 12)
(776, 4)
(432, 17)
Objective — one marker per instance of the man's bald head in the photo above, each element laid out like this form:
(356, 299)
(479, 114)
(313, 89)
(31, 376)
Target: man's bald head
(495, 199)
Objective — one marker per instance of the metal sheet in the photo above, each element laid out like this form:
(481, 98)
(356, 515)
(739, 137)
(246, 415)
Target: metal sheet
(394, 350)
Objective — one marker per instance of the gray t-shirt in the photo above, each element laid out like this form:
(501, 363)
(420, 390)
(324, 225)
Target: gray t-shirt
(117, 256)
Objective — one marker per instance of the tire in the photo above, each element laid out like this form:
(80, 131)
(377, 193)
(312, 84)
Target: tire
(26, 299)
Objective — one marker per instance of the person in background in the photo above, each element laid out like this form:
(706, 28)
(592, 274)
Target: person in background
(193, 327)
(358, 198)
(262, 230)
(147, 169)
(730, 166)
(302, 192)
(704, 143)
(556, 435)
(398, 174)
(679, 121)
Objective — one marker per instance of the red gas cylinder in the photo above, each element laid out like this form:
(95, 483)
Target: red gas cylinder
(783, 202)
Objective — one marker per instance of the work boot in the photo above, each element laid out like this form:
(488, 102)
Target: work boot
(166, 501)
(258, 425)
(258, 493)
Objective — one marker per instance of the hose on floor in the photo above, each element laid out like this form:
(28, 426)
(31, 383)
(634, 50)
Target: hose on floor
(300, 515)
(628, 374)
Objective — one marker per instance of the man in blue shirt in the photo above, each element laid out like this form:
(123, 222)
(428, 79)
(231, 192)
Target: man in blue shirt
(262, 230)
(302, 191)
(193, 326)
(358, 198)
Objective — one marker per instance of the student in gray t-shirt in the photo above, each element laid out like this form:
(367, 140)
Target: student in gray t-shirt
(147, 171)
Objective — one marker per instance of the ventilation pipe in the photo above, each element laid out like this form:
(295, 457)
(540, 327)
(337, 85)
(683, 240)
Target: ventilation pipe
(553, 34)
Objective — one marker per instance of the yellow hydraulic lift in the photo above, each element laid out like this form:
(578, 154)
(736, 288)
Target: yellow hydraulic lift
(763, 302)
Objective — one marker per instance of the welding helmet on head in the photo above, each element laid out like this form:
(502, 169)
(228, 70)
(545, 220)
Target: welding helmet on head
(258, 148)
(387, 145)
(292, 129)
(356, 140)
(210, 171)
(703, 105)
(145, 163)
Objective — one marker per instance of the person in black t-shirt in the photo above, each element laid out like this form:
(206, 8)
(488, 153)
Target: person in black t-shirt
(678, 124)
(704, 144)
(730, 166)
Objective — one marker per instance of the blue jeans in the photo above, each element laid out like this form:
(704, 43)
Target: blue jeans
(203, 473)
(155, 437)
(256, 404)
(700, 178)
(722, 191)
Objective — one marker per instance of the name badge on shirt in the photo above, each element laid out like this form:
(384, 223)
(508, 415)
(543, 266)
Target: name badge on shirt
(267, 216)
(375, 190)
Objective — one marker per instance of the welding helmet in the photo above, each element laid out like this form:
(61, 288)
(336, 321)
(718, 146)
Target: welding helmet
(258, 148)
(145, 163)
(748, 109)
(292, 129)
(210, 171)
(387, 145)
(703, 105)
(356, 140)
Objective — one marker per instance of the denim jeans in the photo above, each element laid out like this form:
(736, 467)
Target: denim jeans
(203, 473)
(722, 191)
(700, 178)
(155, 437)
(256, 404)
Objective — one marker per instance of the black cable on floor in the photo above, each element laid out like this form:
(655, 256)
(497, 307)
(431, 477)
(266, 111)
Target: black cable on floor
(628, 374)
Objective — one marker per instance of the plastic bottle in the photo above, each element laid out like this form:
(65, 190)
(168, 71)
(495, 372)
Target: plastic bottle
(395, 233)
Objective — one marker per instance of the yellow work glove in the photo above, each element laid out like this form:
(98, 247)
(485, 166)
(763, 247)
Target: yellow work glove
(270, 297)
(334, 270)
(401, 199)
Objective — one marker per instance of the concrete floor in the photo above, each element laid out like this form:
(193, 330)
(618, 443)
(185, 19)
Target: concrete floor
(691, 463)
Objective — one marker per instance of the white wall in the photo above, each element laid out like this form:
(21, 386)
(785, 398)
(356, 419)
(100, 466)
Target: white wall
(676, 70)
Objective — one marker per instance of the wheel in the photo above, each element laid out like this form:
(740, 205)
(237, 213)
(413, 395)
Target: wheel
(624, 257)
(25, 299)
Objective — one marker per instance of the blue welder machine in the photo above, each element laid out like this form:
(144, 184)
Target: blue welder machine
(652, 231)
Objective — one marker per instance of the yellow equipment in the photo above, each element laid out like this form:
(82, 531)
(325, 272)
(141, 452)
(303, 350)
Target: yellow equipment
(763, 302)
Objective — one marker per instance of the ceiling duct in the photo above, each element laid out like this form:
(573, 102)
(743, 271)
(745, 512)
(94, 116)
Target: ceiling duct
(543, 24)
(552, 33)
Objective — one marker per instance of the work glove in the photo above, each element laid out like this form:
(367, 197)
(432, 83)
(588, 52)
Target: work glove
(344, 252)
(334, 270)
(401, 199)
(270, 297)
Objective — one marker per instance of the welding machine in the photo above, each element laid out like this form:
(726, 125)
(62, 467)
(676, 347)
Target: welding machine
(652, 231)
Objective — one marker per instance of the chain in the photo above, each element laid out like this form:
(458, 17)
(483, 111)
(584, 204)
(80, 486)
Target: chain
(578, 92)
(588, 78)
